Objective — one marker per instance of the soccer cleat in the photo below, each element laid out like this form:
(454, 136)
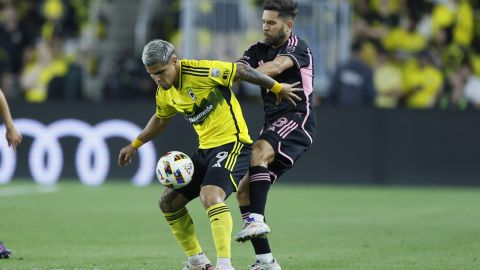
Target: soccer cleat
(203, 264)
(253, 229)
(5, 253)
(266, 266)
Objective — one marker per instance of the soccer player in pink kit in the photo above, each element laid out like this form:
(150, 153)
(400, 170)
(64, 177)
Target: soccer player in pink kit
(288, 129)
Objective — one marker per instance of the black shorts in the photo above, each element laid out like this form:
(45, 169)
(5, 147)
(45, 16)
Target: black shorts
(223, 166)
(290, 135)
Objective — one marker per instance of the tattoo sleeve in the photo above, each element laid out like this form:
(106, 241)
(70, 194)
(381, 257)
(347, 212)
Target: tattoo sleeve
(251, 75)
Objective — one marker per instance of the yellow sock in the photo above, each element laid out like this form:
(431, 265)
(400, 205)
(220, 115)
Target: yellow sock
(183, 229)
(221, 224)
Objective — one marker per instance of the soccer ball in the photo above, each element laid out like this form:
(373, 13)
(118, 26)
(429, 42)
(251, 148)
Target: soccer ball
(174, 169)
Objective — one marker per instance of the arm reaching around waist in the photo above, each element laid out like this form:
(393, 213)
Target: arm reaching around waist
(283, 91)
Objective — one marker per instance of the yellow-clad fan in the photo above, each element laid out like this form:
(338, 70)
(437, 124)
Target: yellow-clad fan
(459, 16)
(423, 83)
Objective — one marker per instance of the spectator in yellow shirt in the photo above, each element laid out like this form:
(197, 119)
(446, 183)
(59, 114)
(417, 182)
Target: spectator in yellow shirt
(405, 38)
(423, 83)
(388, 80)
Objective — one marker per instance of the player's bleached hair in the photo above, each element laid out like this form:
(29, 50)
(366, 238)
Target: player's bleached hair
(157, 51)
(285, 8)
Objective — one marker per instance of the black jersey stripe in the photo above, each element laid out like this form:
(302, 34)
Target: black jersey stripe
(195, 74)
(195, 70)
(192, 67)
(227, 95)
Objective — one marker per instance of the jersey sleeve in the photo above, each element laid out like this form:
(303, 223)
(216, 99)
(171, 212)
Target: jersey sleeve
(298, 51)
(163, 109)
(223, 73)
(250, 57)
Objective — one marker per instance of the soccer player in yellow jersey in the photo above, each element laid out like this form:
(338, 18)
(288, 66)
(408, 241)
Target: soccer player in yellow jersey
(201, 91)
(13, 137)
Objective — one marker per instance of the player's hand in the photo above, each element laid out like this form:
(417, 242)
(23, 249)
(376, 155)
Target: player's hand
(13, 138)
(287, 93)
(126, 154)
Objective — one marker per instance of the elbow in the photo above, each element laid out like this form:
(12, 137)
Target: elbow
(241, 67)
(275, 72)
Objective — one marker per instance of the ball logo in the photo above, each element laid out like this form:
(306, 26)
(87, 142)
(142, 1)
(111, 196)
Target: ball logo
(179, 176)
(92, 156)
(167, 168)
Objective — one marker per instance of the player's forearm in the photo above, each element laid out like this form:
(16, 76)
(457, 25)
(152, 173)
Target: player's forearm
(154, 127)
(249, 74)
(5, 111)
(270, 69)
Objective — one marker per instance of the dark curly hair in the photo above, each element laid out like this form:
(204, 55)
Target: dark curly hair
(285, 8)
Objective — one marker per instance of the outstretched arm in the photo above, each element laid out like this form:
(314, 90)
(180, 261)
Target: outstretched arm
(283, 91)
(13, 137)
(276, 66)
(154, 127)
(251, 75)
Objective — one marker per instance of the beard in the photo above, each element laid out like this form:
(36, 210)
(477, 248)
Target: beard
(276, 40)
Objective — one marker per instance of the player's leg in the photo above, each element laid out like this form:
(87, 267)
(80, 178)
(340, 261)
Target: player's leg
(259, 185)
(173, 206)
(221, 223)
(219, 183)
(259, 179)
(263, 255)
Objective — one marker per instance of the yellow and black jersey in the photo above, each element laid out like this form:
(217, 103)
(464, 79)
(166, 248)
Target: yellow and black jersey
(205, 98)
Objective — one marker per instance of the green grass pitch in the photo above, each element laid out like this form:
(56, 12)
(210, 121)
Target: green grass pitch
(118, 226)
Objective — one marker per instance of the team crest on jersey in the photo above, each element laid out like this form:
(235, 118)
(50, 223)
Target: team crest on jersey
(290, 49)
(192, 95)
(215, 72)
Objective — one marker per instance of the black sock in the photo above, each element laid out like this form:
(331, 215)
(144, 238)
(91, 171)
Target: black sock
(261, 246)
(244, 211)
(259, 183)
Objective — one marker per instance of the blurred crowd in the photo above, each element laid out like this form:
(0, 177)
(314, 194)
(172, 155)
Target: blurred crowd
(404, 53)
(413, 54)
(41, 56)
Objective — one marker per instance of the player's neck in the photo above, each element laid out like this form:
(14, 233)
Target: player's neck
(280, 44)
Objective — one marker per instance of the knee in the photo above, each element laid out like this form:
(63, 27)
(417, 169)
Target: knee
(262, 154)
(211, 195)
(167, 204)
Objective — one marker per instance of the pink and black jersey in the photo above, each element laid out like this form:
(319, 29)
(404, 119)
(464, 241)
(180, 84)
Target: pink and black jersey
(302, 71)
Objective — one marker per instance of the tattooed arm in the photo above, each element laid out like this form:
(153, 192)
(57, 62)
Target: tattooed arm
(251, 75)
